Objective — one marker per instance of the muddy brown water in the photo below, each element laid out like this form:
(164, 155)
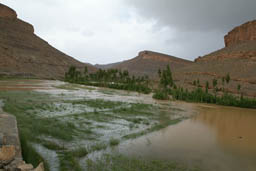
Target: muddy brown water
(216, 139)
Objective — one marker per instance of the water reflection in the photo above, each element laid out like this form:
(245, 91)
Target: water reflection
(235, 128)
(217, 138)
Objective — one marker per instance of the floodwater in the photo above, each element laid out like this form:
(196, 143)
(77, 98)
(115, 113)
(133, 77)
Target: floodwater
(216, 139)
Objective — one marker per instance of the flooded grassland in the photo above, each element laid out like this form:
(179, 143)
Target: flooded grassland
(74, 127)
(66, 123)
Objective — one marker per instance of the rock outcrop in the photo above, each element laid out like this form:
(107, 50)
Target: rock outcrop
(7, 12)
(240, 44)
(24, 54)
(241, 34)
(238, 59)
(10, 149)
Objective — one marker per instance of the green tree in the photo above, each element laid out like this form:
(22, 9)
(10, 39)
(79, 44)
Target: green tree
(198, 83)
(238, 88)
(194, 82)
(228, 78)
(214, 84)
(71, 75)
(223, 83)
(159, 73)
(86, 73)
(166, 79)
(206, 86)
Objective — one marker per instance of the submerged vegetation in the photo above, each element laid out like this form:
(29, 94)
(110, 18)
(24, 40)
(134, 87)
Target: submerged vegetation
(124, 163)
(111, 78)
(72, 128)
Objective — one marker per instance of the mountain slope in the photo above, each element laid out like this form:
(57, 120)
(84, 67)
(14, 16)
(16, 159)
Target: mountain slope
(22, 53)
(238, 59)
(148, 63)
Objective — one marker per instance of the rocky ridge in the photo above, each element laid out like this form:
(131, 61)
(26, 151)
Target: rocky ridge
(148, 63)
(7, 12)
(241, 34)
(239, 43)
(238, 59)
(24, 54)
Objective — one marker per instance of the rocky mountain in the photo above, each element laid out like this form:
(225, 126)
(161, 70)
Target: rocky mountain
(238, 58)
(107, 66)
(241, 34)
(148, 63)
(24, 54)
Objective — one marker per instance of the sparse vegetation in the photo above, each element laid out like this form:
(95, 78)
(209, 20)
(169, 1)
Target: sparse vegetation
(198, 95)
(111, 78)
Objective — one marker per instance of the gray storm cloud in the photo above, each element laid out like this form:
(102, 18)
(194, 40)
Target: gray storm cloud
(200, 24)
(106, 31)
(197, 15)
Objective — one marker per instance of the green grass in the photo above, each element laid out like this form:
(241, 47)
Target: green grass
(136, 109)
(61, 131)
(80, 152)
(51, 145)
(161, 125)
(98, 103)
(114, 142)
(68, 162)
(30, 155)
(123, 163)
(98, 147)
(31, 126)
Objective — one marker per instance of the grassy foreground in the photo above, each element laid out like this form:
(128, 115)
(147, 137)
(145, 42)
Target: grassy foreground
(124, 163)
(57, 122)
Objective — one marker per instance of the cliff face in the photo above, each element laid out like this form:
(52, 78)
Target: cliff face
(238, 59)
(22, 53)
(241, 34)
(240, 44)
(7, 12)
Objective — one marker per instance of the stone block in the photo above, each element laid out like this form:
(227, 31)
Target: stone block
(7, 154)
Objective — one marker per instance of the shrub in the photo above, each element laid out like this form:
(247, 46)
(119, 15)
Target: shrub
(161, 95)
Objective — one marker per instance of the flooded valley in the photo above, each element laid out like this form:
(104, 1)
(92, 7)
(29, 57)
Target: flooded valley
(73, 126)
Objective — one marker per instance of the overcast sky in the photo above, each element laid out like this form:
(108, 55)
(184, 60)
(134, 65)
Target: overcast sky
(106, 31)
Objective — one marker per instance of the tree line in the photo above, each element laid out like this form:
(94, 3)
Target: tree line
(118, 79)
(167, 89)
(111, 78)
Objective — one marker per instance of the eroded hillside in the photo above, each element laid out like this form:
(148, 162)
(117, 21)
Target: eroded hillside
(23, 53)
